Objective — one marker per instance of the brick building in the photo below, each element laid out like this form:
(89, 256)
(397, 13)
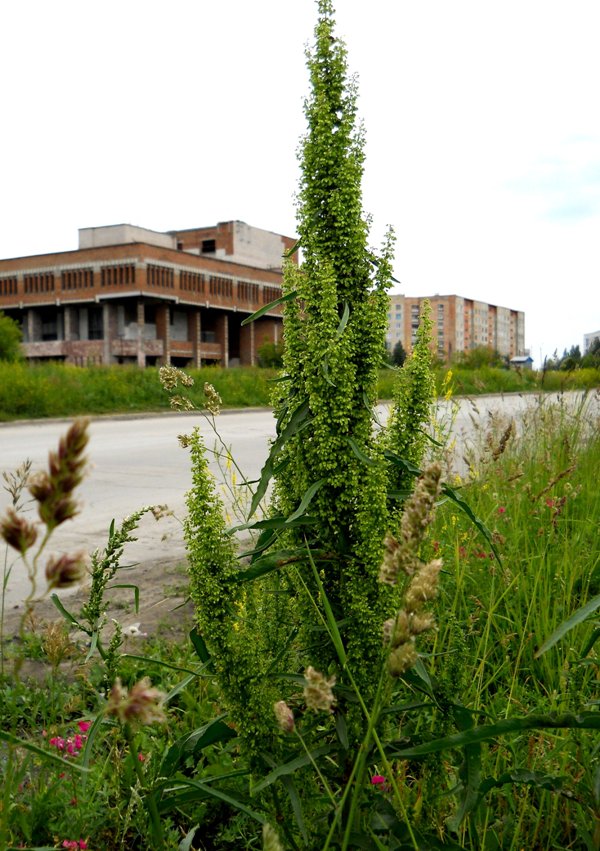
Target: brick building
(132, 295)
(459, 324)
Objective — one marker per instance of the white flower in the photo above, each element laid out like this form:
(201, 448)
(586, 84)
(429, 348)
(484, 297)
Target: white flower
(133, 631)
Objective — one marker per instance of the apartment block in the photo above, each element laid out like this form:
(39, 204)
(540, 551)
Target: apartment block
(459, 324)
(133, 295)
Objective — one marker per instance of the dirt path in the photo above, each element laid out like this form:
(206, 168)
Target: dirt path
(163, 610)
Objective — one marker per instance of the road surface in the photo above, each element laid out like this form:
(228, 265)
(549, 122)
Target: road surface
(138, 461)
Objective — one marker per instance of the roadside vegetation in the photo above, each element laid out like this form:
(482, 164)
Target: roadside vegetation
(58, 390)
(403, 656)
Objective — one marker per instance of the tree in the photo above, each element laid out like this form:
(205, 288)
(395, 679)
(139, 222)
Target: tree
(270, 354)
(479, 357)
(398, 354)
(10, 339)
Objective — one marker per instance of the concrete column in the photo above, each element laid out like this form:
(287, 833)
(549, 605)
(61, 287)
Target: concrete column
(223, 338)
(106, 333)
(83, 324)
(68, 314)
(141, 357)
(247, 345)
(163, 331)
(195, 335)
(34, 326)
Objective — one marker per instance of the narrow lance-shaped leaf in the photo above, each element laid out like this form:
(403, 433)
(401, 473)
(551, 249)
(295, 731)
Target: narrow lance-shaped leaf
(583, 721)
(576, 618)
(267, 307)
(298, 421)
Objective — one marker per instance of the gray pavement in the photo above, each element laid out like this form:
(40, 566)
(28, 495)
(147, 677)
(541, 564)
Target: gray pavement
(138, 461)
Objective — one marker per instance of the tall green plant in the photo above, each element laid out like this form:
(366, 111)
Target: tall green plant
(317, 602)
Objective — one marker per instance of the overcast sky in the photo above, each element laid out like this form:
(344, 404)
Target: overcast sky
(482, 122)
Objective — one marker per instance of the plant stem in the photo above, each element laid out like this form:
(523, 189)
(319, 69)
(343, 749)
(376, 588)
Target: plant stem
(148, 797)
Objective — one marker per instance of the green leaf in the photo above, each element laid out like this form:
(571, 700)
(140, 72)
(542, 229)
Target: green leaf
(93, 645)
(528, 778)
(205, 790)
(466, 508)
(343, 322)
(298, 421)
(92, 734)
(199, 645)
(369, 462)
(578, 617)
(192, 744)
(66, 613)
(305, 501)
(334, 632)
(136, 593)
(342, 731)
(186, 842)
(583, 721)
(290, 767)
(469, 772)
(407, 466)
(295, 247)
(162, 664)
(267, 564)
(592, 640)
(265, 309)
(325, 370)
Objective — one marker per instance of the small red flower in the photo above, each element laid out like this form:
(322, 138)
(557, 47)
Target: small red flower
(377, 780)
(501, 509)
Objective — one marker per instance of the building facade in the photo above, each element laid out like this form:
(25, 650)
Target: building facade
(132, 295)
(589, 340)
(459, 324)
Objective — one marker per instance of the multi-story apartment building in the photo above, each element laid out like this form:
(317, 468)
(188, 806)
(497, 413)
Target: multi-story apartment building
(589, 339)
(459, 324)
(129, 294)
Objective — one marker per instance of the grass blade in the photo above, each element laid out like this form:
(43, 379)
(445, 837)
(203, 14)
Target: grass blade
(576, 618)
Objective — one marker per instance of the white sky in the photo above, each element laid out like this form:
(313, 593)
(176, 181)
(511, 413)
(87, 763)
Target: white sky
(482, 120)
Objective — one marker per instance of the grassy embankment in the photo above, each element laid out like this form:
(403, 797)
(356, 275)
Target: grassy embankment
(55, 390)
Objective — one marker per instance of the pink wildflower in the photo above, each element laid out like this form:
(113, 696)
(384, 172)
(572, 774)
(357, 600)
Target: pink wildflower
(141, 757)
(501, 509)
(378, 780)
(84, 726)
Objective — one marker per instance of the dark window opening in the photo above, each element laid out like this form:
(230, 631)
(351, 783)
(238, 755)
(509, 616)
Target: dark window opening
(95, 325)
(209, 246)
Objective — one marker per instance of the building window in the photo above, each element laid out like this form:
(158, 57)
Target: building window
(220, 286)
(116, 276)
(209, 246)
(160, 276)
(191, 281)
(271, 294)
(248, 292)
(42, 282)
(76, 279)
(8, 286)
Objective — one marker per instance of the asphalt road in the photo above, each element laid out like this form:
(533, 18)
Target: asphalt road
(138, 461)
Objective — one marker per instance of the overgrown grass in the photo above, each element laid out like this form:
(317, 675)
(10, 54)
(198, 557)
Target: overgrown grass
(535, 488)
(540, 499)
(59, 390)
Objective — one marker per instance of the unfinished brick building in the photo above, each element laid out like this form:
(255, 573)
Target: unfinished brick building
(131, 295)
